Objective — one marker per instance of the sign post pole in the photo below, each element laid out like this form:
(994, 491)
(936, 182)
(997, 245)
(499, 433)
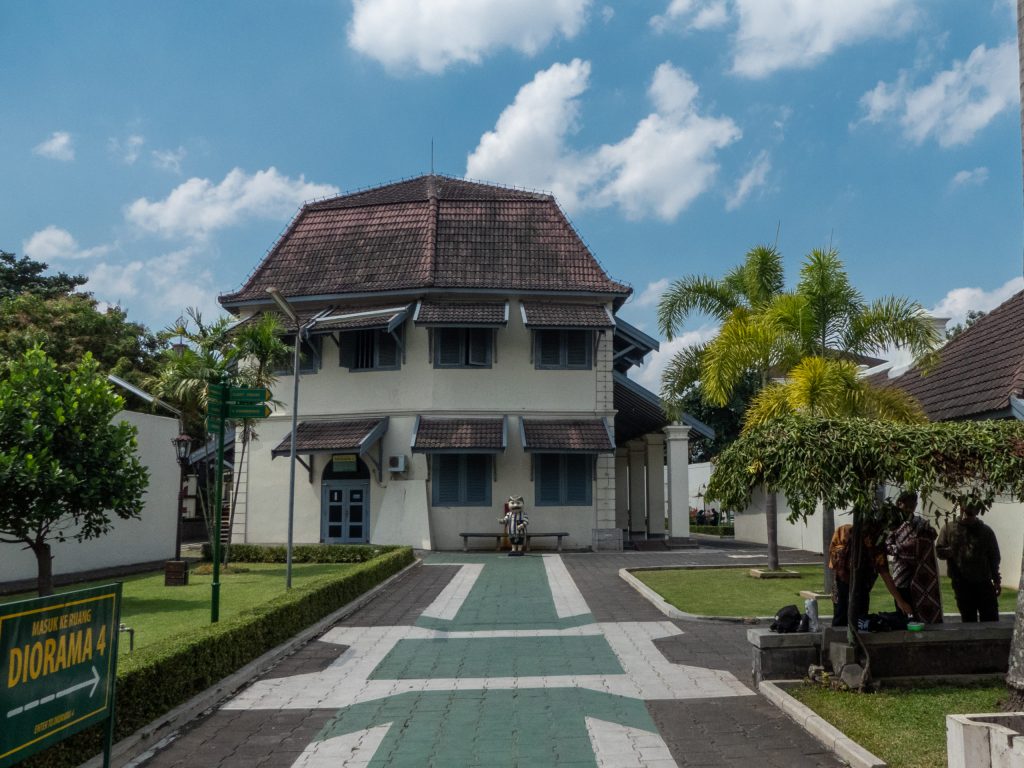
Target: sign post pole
(115, 641)
(217, 512)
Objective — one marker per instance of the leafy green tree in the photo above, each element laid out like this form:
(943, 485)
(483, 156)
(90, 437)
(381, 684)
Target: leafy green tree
(25, 275)
(65, 466)
(747, 347)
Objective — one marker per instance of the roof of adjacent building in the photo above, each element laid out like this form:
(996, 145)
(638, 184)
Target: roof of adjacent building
(431, 232)
(566, 435)
(331, 436)
(977, 372)
(440, 434)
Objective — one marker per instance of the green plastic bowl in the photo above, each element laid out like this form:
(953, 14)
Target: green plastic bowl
(915, 626)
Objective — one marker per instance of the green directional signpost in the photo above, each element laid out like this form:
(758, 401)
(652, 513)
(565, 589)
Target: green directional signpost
(58, 669)
(224, 403)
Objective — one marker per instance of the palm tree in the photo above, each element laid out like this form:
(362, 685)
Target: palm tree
(748, 342)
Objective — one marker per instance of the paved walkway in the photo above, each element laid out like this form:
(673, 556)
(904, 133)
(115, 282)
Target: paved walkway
(486, 660)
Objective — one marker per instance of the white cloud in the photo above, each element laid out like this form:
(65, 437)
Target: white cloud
(649, 374)
(127, 151)
(159, 287)
(431, 35)
(793, 34)
(973, 178)
(753, 179)
(607, 14)
(658, 170)
(651, 295)
(169, 159)
(956, 104)
(958, 302)
(198, 207)
(692, 14)
(58, 147)
(55, 244)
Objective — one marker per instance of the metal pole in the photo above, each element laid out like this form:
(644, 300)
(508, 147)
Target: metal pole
(291, 484)
(215, 603)
(181, 508)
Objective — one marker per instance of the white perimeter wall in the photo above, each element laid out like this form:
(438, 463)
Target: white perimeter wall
(147, 539)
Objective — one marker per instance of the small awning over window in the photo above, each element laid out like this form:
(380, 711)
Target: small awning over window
(566, 436)
(384, 318)
(538, 314)
(349, 436)
(458, 314)
(439, 435)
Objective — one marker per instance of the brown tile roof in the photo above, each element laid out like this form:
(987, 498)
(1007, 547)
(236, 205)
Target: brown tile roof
(977, 372)
(356, 319)
(564, 435)
(537, 314)
(438, 434)
(429, 232)
(331, 436)
(461, 313)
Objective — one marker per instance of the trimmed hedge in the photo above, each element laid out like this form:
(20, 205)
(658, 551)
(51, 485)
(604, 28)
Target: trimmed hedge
(303, 553)
(155, 679)
(714, 530)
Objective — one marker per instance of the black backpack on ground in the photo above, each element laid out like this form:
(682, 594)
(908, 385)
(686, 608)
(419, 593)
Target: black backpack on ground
(786, 620)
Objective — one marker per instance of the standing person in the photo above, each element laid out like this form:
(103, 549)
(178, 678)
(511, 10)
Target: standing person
(972, 553)
(871, 565)
(915, 571)
(515, 522)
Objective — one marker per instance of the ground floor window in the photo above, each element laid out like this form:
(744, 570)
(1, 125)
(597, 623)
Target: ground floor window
(462, 480)
(563, 479)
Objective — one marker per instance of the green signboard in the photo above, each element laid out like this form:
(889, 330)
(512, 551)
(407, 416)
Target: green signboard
(58, 667)
(248, 395)
(248, 411)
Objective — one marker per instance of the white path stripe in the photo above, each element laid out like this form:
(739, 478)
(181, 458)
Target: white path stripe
(351, 750)
(568, 599)
(447, 604)
(619, 746)
(647, 674)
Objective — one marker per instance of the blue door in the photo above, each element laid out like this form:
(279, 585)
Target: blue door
(345, 512)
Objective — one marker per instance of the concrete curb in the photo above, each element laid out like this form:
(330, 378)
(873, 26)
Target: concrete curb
(845, 748)
(145, 741)
(674, 613)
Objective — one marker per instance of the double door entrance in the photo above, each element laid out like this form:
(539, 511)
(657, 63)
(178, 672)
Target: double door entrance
(345, 512)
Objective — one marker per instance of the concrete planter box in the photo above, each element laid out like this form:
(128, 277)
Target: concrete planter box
(985, 741)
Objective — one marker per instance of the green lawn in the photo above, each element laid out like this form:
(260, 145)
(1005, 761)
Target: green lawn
(732, 592)
(157, 612)
(903, 727)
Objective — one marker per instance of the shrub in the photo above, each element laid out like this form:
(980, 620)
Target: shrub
(302, 553)
(155, 679)
(714, 530)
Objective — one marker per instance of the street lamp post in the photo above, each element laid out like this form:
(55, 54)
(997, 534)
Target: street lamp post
(292, 315)
(176, 571)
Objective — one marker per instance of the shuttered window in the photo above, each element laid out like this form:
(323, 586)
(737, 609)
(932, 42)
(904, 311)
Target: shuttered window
(463, 347)
(563, 479)
(309, 356)
(370, 350)
(461, 480)
(563, 349)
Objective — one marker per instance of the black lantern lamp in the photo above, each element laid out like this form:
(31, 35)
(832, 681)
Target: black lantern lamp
(176, 571)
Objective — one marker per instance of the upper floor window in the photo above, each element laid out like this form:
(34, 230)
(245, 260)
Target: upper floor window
(563, 348)
(461, 480)
(370, 350)
(563, 479)
(309, 356)
(463, 347)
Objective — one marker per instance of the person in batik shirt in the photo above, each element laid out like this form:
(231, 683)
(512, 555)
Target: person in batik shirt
(914, 568)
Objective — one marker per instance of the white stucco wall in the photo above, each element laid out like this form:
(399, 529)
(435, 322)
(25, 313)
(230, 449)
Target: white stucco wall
(400, 510)
(699, 475)
(149, 538)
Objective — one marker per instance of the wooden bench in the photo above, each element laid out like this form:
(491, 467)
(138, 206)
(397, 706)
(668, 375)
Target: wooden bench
(499, 536)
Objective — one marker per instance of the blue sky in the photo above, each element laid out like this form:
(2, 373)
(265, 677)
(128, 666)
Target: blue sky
(160, 148)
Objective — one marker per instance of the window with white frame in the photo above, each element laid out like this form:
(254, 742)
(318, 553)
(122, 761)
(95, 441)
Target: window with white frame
(566, 349)
(463, 347)
(461, 480)
(563, 479)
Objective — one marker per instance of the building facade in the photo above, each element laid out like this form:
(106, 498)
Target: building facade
(460, 345)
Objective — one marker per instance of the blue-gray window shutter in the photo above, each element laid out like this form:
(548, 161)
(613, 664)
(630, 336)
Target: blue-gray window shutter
(347, 350)
(446, 478)
(478, 479)
(479, 342)
(577, 349)
(547, 478)
(449, 346)
(549, 349)
(387, 350)
(577, 478)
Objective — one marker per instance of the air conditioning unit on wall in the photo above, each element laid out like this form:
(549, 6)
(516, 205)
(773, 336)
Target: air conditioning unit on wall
(396, 463)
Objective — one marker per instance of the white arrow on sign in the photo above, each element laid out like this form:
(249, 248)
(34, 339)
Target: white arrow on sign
(94, 681)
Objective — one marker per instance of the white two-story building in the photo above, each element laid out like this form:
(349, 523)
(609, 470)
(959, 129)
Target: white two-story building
(461, 346)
